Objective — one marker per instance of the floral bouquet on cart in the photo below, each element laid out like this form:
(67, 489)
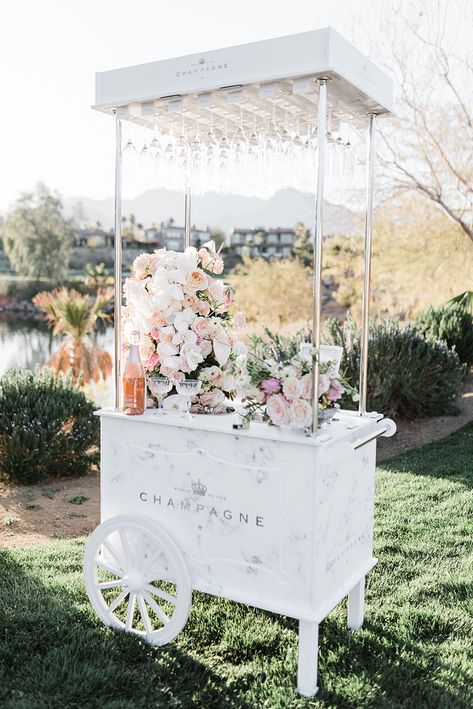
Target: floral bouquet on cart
(280, 372)
(180, 306)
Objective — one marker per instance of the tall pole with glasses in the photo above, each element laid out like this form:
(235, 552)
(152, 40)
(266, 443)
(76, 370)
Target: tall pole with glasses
(187, 217)
(117, 315)
(319, 203)
(367, 272)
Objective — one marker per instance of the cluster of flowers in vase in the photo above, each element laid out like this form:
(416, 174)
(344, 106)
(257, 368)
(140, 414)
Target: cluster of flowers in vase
(281, 382)
(180, 306)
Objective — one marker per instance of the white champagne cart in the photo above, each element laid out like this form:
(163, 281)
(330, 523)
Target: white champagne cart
(273, 518)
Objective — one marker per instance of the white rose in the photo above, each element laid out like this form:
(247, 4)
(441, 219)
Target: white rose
(300, 413)
(306, 386)
(173, 403)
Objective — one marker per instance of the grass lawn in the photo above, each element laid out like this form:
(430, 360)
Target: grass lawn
(415, 649)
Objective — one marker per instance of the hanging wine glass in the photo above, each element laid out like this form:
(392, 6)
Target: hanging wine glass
(129, 146)
(239, 142)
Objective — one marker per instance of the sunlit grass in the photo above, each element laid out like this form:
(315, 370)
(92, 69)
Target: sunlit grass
(414, 651)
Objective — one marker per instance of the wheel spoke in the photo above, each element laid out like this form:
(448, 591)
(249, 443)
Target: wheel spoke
(119, 599)
(162, 594)
(113, 553)
(154, 606)
(153, 561)
(109, 568)
(126, 548)
(130, 611)
(109, 584)
(144, 614)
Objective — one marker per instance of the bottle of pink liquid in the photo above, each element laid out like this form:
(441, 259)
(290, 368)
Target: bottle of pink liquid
(134, 384)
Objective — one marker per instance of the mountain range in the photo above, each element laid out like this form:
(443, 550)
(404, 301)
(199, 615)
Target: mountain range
(224, 211)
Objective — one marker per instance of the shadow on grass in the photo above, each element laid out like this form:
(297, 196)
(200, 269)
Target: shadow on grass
(54, 652)
(450, 457)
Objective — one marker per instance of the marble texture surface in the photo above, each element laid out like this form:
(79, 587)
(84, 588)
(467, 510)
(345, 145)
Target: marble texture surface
(272, 518)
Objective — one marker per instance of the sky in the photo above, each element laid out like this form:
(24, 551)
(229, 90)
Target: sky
(51, 49)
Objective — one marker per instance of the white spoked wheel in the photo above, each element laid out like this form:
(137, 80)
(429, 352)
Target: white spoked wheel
(137, 580)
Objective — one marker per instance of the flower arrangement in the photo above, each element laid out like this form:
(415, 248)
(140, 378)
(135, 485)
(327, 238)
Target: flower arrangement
(180, 306)
(281, 382)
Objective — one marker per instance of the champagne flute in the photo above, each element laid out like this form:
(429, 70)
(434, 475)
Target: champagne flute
(188, 388)
(160, 386)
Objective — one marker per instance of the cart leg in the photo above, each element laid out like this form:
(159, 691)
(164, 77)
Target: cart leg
(307, 664)
(356, 605)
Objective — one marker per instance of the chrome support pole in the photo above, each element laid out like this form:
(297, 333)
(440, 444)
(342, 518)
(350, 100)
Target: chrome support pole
(365, 312)
(187, 218)
(117, 315)
(318, 238)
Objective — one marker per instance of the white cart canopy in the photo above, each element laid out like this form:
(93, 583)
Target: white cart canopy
(357, 87)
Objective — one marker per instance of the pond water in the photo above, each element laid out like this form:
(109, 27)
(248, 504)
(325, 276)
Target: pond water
(27, 344)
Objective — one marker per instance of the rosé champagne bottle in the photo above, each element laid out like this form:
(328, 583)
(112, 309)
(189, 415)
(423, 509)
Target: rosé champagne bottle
(134, 384)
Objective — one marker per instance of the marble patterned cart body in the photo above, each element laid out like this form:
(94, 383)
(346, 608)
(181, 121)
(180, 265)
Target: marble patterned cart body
(283, 525)
(275, 519)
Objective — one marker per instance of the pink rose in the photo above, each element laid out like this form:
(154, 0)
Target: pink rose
(205, 347)
(203, 308)
(155, 333)
(212, 398)
(201, 326)
(300, 413)
(277, 410)
(197, 280)
(152, 361)
(191, 301)
(292, 387)
(336, 391)
(270, 386)
(217, 265)
(204, 256)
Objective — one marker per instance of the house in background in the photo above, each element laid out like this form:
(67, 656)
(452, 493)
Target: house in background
(268, 243)
(172, 237)
(94, 238)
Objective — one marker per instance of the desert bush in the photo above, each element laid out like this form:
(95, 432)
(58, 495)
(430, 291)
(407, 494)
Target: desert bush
(47, 428)
(276, 292)
(430, 257)
(453, 324)
(409, 376)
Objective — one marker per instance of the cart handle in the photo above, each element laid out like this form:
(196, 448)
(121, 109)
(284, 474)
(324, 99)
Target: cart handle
(387, 429)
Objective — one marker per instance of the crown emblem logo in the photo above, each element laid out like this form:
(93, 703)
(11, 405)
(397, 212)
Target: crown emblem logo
(198, 488)
(202, 60)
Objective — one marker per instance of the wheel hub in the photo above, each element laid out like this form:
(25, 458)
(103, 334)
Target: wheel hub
(134, 581)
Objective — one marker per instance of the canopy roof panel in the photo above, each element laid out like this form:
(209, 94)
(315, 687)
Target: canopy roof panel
(248, 74)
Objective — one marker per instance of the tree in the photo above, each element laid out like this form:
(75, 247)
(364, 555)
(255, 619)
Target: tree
(303, 248)
(73, 316)
(37, 237)
(428, 148)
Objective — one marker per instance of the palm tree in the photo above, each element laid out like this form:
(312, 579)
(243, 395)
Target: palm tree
(73, 316)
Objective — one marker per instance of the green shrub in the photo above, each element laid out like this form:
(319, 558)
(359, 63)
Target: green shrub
(26, 288)
(408, 375)
(47, 428)
(453, 324)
